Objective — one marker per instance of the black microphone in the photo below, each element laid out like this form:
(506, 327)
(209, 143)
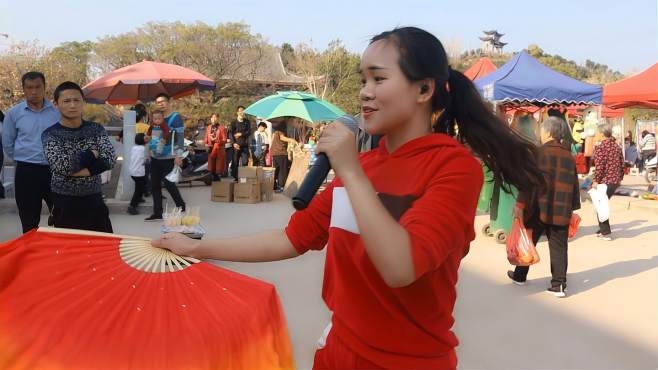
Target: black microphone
(319, 171)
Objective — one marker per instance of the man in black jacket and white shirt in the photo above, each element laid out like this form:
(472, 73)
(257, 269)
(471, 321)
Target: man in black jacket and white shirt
(78, 152)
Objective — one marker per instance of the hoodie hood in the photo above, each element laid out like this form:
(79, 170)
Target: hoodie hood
(419, 145)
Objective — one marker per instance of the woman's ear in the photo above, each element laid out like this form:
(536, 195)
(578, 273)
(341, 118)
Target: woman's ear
(426, 88)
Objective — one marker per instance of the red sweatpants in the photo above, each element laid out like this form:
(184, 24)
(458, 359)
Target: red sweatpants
(337, 355)
(216, 161)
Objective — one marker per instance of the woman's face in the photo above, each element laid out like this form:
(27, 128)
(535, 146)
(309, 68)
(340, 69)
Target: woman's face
(388, 98)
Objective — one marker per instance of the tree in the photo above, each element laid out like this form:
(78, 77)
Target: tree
(287, 54)
(331, 74)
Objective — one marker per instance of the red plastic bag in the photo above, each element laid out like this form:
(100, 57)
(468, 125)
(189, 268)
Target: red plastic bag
(520, 249)
(581, 164)
(268, 159)
(573, 225)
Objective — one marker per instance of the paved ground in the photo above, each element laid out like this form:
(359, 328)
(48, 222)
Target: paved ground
(610, 319)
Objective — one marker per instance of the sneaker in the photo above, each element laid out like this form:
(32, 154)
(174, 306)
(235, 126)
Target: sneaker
(153, 218)
(607, 237)
(132, 211)
(510, 274)
(598, 232)
(558, 291)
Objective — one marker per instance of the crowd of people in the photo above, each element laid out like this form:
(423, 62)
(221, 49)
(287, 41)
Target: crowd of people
(396, 221)
(59, 157)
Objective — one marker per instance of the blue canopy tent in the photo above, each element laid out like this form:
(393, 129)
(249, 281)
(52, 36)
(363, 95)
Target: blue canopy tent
(525, 81)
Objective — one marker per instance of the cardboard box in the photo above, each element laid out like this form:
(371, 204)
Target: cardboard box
(268, 173)
(247, 193)
(222, 191)
(267, 190)
(252, 174)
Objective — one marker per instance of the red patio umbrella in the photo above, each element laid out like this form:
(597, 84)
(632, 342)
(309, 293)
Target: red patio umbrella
(143, 82)
(80, 300)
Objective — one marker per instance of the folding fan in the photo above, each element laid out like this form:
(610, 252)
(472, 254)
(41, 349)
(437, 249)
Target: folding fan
(81, 300)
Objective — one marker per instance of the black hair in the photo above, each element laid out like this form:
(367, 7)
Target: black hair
(141, 112)
(33, 75)
(2, 116)
(262, 124)
(555, 112)
(240, 106)
(67, 85)
(139, 139)
(509, 156)
(163, 95)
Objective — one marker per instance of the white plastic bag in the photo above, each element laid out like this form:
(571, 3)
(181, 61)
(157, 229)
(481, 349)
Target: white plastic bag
(600, 201)
(174, 175)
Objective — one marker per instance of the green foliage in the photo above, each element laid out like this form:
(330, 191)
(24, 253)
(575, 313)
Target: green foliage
(287, 54)
(230, 54)
(331, 74)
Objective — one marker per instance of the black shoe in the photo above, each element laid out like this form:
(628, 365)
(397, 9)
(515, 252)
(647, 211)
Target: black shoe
(141, 200)
(133, 211)
(278, 191)
(510, 274)
(153, 218)
(558, 291)
(51, 221)
(147, 194)
(182, 209)
(215, 177)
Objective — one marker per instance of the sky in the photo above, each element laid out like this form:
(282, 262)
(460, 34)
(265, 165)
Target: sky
(620, 34)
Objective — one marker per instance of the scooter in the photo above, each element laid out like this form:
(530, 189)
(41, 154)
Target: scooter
(650, 168)
(195, 168)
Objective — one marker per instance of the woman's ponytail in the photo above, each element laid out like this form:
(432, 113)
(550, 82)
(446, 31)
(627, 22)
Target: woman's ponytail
(505, 152)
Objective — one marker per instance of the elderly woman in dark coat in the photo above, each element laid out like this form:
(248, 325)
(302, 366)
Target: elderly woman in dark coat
(548, 210)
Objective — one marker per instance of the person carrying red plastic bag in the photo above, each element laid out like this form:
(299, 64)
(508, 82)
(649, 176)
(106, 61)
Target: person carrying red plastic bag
(520, 248)
(548, 211)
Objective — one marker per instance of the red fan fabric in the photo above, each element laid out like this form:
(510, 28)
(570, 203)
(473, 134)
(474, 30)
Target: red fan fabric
(71, 302)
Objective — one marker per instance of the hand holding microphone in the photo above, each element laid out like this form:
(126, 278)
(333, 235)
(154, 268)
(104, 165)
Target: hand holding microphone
(338, 142)
(338, 145)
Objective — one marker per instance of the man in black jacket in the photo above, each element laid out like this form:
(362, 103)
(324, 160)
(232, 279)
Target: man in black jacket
(240, 133)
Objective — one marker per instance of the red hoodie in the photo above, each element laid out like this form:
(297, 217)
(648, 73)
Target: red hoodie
(431, 186)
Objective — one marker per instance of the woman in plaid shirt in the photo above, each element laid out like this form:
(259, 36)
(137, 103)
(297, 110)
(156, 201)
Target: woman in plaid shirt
(547, 210)
(609, 170)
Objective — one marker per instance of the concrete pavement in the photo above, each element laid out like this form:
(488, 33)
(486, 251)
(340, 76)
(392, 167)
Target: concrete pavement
(609, 320)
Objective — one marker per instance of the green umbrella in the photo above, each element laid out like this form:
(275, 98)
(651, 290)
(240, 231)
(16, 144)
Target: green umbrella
(295, 104)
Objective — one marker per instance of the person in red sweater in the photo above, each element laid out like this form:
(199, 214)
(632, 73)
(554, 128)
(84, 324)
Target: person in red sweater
(397, 220)
(215, 140)
(608, 170)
